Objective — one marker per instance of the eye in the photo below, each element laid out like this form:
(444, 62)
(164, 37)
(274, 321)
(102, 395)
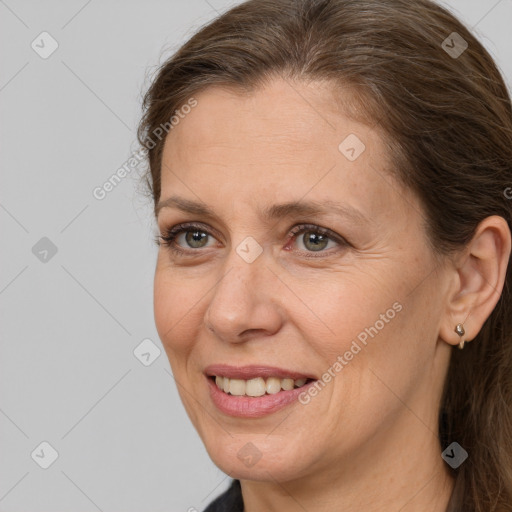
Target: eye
(194, 236)
(316, 239)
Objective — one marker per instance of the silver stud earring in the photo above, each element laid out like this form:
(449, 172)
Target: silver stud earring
(459, 329)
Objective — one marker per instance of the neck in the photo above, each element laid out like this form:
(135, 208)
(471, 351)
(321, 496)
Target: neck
(393, 471)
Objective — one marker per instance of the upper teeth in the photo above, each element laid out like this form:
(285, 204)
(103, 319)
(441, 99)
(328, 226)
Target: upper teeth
(257, 386)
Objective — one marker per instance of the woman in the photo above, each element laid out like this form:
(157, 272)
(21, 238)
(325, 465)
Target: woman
(331, 181)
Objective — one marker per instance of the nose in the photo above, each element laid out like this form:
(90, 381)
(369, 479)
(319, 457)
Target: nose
(245, 302)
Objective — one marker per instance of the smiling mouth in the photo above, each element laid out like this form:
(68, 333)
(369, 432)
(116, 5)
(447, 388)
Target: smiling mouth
(258, 386)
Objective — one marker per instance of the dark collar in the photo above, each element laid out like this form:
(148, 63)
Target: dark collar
(229, 501)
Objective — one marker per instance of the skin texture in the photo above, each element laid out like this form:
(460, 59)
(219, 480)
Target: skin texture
(368, 441)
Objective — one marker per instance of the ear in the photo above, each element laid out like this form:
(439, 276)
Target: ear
(478, 279)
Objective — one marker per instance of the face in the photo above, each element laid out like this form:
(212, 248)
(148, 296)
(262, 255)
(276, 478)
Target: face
(325, 320)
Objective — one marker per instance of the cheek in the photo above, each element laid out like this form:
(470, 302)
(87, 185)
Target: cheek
(361, 322)
(347, 306)
(175, 310)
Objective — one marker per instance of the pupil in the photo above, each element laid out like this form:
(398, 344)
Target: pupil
(195, 236)
(317, 240)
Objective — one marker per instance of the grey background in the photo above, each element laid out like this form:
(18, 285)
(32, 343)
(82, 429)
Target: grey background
(70, 324)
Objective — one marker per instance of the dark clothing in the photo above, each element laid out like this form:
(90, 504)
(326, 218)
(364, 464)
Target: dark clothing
(229, 501)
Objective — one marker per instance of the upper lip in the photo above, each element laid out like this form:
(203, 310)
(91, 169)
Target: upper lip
(253, 371)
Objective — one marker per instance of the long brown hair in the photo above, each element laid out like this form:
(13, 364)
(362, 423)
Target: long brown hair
(447, 118)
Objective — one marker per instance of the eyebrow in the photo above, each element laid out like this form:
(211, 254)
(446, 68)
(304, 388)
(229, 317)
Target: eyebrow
(275, 211)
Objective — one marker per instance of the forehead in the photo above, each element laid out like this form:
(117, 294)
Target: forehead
(280, 112)
(286, 139)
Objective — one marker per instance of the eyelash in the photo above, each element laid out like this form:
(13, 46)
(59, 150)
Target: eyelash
(169, 236)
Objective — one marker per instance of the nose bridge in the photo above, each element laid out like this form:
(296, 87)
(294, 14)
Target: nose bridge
(240, 299)
(245, 266)
(238, 285)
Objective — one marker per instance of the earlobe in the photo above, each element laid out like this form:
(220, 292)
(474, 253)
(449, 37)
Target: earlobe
(479, 277)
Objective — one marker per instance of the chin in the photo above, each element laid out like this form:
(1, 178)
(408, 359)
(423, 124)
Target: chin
(257, 457)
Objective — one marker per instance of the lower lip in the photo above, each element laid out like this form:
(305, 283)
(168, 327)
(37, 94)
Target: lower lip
(253, 407)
